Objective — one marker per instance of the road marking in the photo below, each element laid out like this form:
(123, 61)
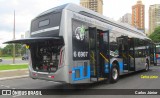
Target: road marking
(7, 86)
(12, 89)
(15, 77)
(16, 95)
(2, 85)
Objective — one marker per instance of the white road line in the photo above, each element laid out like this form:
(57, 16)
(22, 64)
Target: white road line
(2, 85)
(16, 95)
(7, 86)
(15, 77)
(11, 88)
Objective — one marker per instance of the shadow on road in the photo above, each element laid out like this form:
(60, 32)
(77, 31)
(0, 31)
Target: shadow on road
(88, 89)
(92, 85)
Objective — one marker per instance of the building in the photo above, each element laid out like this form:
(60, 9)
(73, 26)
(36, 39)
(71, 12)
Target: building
(27, 34)
(127, 18)
(138, 16)
(22, 36)
(95, 5)
(154, 17)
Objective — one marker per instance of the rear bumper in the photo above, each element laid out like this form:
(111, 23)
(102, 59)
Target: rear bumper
(61, 75)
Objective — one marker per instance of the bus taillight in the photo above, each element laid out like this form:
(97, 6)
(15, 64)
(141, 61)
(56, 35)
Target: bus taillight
(61, 57)
(34, 74)
(51, 77)
(70, 72)
(157, 56)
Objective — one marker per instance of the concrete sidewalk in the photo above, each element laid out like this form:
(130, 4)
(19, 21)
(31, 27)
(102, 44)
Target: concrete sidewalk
(12, 74)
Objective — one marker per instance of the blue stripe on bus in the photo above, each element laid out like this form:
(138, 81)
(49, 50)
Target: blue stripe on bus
(121, 66)
(106, 68)
(81, 69)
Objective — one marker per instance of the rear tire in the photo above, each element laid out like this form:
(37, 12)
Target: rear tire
(0, 60)
(114, 74)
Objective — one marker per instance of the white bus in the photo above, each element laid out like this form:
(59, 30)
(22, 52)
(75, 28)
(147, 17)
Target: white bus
(72, 44)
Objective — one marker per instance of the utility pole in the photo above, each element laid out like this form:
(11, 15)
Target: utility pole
(14, 39)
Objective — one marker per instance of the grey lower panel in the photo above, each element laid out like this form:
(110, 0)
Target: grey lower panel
(59, 76)
(131, 62)
(81, 81)
(140, 63)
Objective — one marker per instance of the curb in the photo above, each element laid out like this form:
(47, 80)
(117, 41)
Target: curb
(15, 77)
(13, 70)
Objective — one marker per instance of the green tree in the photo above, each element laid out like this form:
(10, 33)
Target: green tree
(155, 36)
(8, 50)
(0, 51)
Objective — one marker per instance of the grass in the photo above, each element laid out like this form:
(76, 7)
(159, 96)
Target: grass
(9, 57)
(12, 67)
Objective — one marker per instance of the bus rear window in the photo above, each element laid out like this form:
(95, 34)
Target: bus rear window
(44, 23)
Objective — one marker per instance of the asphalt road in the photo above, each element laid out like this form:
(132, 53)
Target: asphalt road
(132, 81)
(10, 61)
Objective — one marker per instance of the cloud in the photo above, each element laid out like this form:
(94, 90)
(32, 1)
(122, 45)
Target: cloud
(5, 36)
(25, 11)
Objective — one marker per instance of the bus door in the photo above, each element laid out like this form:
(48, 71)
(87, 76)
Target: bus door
(152, 55)
(99, 53)
(157, 54)
(123, 44)
(131, 55)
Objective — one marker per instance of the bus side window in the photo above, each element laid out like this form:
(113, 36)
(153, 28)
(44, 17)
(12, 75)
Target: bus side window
(92, 43)
(136, 53)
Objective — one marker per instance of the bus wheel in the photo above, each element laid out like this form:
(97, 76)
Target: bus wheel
(114, 73)
(146, 67)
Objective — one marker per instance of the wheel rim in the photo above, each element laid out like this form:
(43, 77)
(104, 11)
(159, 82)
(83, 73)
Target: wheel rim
(115, 73)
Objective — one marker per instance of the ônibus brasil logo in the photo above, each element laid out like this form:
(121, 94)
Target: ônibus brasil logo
(80, 33)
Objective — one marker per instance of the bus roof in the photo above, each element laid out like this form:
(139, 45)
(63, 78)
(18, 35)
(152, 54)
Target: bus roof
(92, 14)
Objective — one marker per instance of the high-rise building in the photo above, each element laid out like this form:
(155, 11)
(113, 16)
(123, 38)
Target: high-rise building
(154, 17)
(138, 16)
(95, 5)
(27, 34)
(127, 18)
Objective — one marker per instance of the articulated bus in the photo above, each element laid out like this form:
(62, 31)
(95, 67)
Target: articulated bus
(72, 44)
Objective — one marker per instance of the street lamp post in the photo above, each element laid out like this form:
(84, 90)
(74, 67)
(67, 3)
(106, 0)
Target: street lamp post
(13, 39)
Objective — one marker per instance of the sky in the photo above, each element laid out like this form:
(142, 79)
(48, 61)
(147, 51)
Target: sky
(26, 10)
